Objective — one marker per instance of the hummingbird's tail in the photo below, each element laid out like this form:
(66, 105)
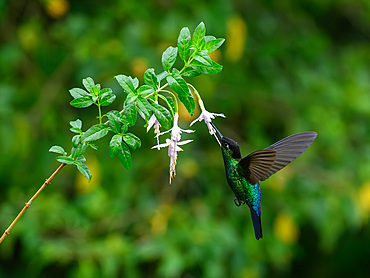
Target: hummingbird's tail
(256, 223)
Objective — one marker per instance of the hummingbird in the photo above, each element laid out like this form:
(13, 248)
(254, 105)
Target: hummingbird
(244, 174)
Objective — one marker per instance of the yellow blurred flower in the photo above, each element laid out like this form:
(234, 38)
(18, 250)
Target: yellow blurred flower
(236, 37)
(160, 219)
(139, 66)
(364, 200)
(215, 55)
(285, 228)
(82, 184)
(57, 8)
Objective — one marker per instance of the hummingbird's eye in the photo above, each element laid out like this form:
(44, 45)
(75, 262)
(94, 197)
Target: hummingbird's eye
(226, 145)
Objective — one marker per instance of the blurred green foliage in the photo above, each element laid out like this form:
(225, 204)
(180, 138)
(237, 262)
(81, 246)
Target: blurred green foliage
(289, 66)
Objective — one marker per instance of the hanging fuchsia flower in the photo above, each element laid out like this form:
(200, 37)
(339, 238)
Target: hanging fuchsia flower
(173, 144)
(207, 117)
(153, 121)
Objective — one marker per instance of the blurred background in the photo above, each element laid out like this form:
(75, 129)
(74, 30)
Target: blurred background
(289, 67)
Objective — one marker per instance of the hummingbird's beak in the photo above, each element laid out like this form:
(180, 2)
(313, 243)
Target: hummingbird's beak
(219, 133)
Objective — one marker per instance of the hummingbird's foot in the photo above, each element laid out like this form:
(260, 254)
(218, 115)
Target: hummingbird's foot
(237, 202)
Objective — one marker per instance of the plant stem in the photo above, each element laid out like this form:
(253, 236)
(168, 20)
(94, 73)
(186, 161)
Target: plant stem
(27, 205)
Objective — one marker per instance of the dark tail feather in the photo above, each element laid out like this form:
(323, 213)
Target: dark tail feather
(256, 224)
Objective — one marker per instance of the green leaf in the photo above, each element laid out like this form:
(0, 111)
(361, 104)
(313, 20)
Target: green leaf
(162, 75)
(77, 93)
(76, 140)
(58, 149)
(125, 156)
(126, 82)
(213, 44)
(95, 132)
(107, 97)
(82, 102)
(212, 69)
(89, 84)
(114, 121)
(203, 58)
(181, 88)
(184, 43)
(135, 82)
(144, 108)
(171, 104)
(145, 90)
(115, 144)
(162, 114)
(150, 78)
(66, 159)
(84, 170)
(78, 150)
(169, 57)
(130, 111)
(132, 140)
(198, 36)
(75, 130)
(124, 128)
(77, 123)
(192, 71)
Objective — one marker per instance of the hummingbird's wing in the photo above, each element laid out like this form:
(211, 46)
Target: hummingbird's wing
(289, 149)
(256, 165)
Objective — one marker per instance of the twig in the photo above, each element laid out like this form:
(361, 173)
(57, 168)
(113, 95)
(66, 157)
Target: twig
(27, 205)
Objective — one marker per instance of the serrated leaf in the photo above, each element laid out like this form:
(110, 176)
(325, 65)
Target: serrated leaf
(203, 58)
(77, 123)
(184, 43)
(198, 36)
(77, 93)
(132, 140)
(213, 44)
(58, 149)
(126, 83)
(95, 132)
(66, 159)
(150, 78)
(89, 84)
(145, 90)
(162, 114)
(82, 102)
(107, 97)
(84, 170)
(144, 108)
(178, 84)
(169, 57)
(115, 144)
(130, 111)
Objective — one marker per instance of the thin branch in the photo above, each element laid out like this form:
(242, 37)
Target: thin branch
(27, 205)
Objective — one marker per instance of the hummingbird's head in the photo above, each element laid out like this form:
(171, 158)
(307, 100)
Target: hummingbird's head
(228, 146)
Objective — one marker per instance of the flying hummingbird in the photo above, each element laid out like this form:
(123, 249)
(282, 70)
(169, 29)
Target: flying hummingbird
(244, 174)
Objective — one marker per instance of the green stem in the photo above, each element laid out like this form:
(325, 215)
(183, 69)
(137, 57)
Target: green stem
(174, 99)
(100, 117)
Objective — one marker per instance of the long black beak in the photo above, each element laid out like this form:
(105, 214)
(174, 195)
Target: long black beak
(219, 133)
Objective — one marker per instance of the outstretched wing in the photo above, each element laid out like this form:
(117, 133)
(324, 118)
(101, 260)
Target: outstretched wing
(289, 149)
(256, 165)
